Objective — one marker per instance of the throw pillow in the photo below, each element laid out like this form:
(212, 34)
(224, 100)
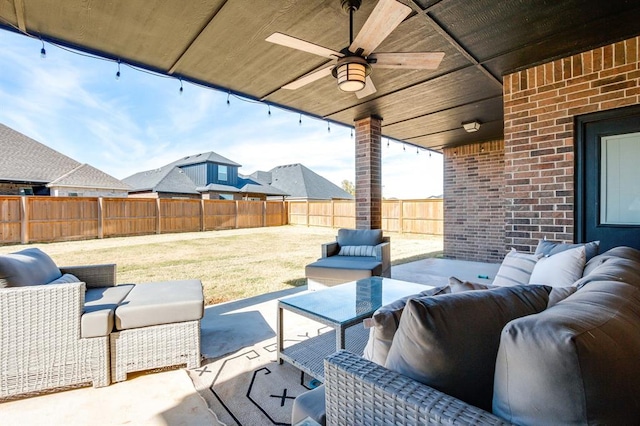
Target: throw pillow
(516, 268)
(65, 279)
(560, 270)
(450, 342)
(549, 248)
(357, 251)
(27, 267)
(385, 323)
(557, 294)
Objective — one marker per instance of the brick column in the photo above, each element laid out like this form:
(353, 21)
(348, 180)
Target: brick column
(368, 173)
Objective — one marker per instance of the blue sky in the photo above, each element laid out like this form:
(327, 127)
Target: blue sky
(75, 105)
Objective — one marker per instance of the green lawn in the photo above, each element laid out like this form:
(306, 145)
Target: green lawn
(231, 264)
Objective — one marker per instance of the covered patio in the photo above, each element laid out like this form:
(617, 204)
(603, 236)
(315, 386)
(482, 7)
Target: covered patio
(518, 104)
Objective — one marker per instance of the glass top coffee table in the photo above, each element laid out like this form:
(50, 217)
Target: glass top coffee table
(340, 307)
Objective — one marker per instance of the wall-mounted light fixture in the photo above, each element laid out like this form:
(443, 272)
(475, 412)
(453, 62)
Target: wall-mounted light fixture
(471, 126)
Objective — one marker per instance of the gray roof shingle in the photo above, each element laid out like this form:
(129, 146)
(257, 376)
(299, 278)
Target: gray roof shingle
(299, 181)
(165, 179)
(23, 159)
(204, 157)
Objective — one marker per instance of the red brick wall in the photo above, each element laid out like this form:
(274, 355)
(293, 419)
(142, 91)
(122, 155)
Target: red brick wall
(473, 205)
(534, 172)
(540, 105)
(368, 173)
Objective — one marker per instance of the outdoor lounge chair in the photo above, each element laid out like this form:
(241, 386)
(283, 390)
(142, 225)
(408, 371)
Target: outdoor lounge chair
(356, 254)
(61, 327)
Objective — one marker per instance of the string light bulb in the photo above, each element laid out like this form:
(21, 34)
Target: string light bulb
(228, 101)
(269, 110)
(328, 127)
(181, 88)
(300, 120)
(417, 151)
(404, 147)
(43, 52)
(352, 132)
(118, 73)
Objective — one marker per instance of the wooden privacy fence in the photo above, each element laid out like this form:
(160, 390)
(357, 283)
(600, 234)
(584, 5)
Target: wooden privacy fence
(46, 219)
(411, 216)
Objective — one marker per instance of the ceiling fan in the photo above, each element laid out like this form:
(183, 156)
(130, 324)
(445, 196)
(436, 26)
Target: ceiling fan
(352, 65)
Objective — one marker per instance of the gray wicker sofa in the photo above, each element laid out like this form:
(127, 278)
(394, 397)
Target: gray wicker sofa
(68, 326)
(356, 254)
(575, 362)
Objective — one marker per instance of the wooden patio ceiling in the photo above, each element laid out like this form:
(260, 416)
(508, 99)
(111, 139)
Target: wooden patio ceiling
(221, 43)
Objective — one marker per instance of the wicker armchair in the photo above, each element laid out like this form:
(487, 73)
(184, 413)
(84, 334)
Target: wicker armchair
(360, 392)
(40, 343)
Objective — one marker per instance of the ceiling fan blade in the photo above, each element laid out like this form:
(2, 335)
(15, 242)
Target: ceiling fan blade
(409, 60)
(305, 46)
(386, 16)
(309, 78)
(369, 89)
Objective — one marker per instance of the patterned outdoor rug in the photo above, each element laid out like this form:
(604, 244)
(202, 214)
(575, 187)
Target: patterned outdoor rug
(249, 387)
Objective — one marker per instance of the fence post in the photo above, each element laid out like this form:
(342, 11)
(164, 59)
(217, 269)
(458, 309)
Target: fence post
(100, 219)
(202, 220)
(158, 218)
(401, 216)
(264, 214)
(24, 222)
(237, 210)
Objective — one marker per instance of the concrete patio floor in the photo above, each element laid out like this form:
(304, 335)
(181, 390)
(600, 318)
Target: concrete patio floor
(168, 397)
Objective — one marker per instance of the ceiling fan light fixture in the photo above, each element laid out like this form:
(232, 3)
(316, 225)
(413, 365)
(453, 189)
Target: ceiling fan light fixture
(351, 72)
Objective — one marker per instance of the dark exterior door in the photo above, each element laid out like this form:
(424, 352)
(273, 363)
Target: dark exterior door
(607, 204)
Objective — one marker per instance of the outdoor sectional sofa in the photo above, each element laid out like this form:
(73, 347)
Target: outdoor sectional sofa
(73, 325)
(574, 361)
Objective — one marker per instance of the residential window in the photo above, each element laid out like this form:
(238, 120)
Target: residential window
(222, 173)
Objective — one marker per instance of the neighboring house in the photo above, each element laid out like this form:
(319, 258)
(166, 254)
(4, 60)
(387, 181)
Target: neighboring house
(28, 167)
(207, 175)
(301, 183)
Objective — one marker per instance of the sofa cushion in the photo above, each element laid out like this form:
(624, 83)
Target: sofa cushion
(557, 294)
(158, 303)
(450, 341)
(100, 304)
(550, 248)
(560, 270)
(359, 237)
(348, 268)
(27, 267)
(310, 405)
(617, 253)
(384, 324)
(516, 268)
(575, 363)
(368, 251)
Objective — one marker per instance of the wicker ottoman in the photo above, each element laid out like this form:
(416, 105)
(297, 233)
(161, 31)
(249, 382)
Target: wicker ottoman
(158, 325)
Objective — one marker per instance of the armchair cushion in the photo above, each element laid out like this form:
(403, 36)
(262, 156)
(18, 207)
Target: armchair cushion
(65, 279)
(100, 304)
(368, 251)
(450, 342)
(27, 267)
(359, 237)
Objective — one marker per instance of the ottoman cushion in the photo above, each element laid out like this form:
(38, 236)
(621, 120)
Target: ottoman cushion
(158, 303)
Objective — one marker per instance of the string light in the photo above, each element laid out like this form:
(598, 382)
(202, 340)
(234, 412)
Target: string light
(118, 73)
(269, 110)
(387, 143)
(181, 88)
(417, 151)
(300, 120)
(352, 132)
(404, 147)
(228, 101)
(328, 127)
(43, 52)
